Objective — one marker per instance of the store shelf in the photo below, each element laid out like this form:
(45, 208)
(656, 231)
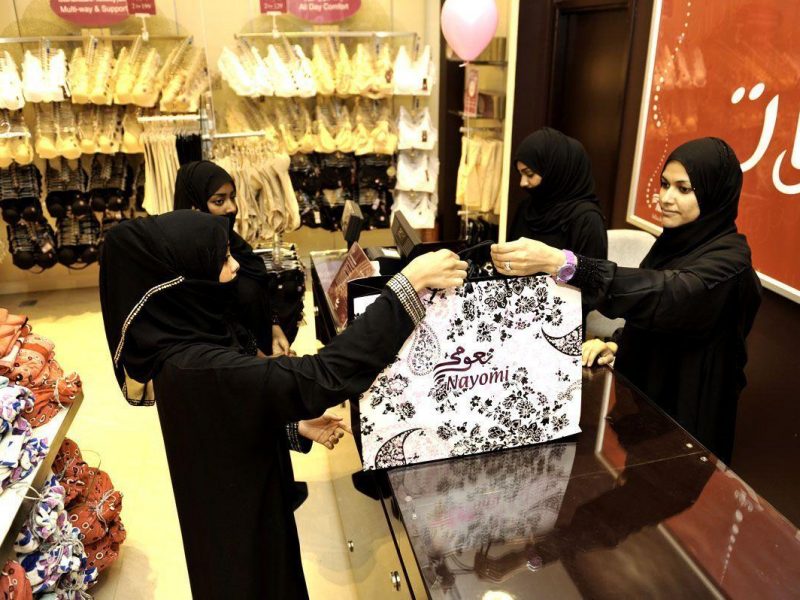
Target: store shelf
(14, 505)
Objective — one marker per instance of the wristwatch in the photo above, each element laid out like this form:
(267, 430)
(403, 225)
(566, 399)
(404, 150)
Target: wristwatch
(567, 270)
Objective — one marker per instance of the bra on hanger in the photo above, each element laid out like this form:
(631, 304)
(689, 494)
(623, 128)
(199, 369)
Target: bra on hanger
(234, 73)
(132, 131)
(66, 132)
(288, 128)
(44, 75)
(363, 69)
(101, 69)
(128, 64)
(376, 171)
(15, 149)
(11, 96)
(326, 130)
(261, 80)
(413, 77)
(344, 136)
(416, 132)
(192, 82)
(384, 134)
(362, 133)
(344, 72)
(109, 138)
(308, 142)
(417, 172)
(419, 208)
(304, 74)
(146, 89)
(382, 83)
(278, 65)
(88, 125)
(323, 68)
(45, 144)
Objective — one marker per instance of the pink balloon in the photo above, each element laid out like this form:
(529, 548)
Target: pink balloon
(469, 26)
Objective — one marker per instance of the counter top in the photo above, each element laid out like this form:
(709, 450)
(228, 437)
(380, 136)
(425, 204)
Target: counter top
(632, 507)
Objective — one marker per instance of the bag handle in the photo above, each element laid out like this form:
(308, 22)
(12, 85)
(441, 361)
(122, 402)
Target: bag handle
(468, 251)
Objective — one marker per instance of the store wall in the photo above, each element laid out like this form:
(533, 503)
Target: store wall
(767, 448)
(212, 24)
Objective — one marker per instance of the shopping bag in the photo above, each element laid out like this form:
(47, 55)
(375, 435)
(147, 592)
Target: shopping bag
(494, 364)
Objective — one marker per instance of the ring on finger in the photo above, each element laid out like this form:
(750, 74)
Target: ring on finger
(508, 265)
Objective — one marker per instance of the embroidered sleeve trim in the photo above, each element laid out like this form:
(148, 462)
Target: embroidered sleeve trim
(408, 297)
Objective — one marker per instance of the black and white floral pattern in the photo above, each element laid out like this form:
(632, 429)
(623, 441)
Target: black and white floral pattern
(569, 344)
(425, 351)
(512, 384)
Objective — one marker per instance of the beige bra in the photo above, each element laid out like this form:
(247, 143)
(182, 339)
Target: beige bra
(323, 69)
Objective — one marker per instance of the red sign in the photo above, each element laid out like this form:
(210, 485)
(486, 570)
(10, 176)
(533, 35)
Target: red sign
(142, 7)
(94, 13)
(730, 70)
(273, 6)
(324, 11)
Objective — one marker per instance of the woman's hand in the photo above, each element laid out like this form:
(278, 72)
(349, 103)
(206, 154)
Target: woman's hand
(280, 343)
(604, 352)
(527, 257)
(326, 430)
(436, 270)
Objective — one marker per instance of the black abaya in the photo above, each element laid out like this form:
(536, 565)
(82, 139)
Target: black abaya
(563, 210)
(195, 183)
(683, 343)
(223, 416)
(690, 308)
(223, 411)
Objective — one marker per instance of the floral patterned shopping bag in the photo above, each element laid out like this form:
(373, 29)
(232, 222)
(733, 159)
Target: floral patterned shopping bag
(493, 365)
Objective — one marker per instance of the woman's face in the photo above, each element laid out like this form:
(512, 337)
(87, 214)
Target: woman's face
(229, 268)
(223, 202)
(529, 179)
(676, 198)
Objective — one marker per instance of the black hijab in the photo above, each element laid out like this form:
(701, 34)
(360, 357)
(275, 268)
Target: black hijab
(716, 177)
(195, 184)
(567, 187)
(160, 290)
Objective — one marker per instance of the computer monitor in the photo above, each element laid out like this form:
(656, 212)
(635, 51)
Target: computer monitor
(410, 244)
(352, 222)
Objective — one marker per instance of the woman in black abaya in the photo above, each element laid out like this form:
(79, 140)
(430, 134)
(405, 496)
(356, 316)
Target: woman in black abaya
(166, 285)
(207, 187)
(561, 209)
(690, 305)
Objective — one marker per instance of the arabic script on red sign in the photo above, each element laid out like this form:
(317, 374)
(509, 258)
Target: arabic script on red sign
(732, 70)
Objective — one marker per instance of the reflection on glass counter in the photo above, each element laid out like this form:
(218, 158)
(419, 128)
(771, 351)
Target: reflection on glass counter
(599, 517)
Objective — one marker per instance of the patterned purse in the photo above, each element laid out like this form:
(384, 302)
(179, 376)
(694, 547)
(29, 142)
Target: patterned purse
(493, 365)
